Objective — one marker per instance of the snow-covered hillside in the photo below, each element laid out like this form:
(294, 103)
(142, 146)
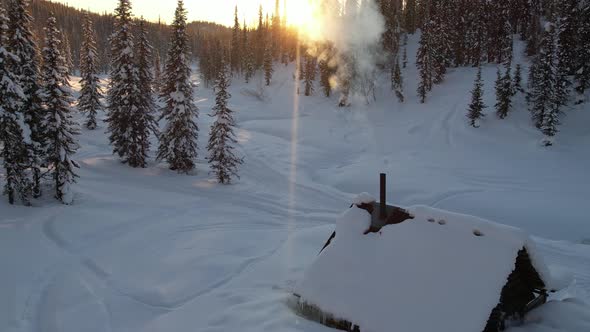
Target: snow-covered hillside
(150, 250)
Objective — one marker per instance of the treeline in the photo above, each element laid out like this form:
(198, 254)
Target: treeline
(69, 18)
(250, 48)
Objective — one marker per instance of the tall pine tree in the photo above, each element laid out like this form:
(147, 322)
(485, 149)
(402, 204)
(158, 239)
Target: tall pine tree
(559, 96)
(397, 81)
(440, 42)
(12, 126)
(582, 67)
(66, 51)
(222, 158)
(178, 141)
(504, 93)
(123, 90)
(61, 129)
(236, 46)
(517, 81)
(549, 86)
(260, 41)
(476, 107)
(22, 45)
(268, 64)
(425, 61)
(248, 59)
(90, 93)
(142, 120)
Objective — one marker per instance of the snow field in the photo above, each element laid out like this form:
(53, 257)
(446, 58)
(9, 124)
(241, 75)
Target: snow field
(150, 250)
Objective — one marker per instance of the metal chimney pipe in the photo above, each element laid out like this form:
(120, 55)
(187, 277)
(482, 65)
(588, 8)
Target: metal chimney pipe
(383, 203)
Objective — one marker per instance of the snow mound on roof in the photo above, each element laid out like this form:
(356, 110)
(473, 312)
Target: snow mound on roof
(364, 198)
(438, 272)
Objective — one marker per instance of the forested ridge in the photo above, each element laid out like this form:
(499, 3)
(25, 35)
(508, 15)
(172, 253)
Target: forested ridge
(69, 22)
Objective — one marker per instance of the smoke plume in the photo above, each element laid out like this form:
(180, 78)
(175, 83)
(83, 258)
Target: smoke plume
(354, 29)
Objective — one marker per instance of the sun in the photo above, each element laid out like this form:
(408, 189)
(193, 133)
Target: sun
(299, 14)
(303, 15)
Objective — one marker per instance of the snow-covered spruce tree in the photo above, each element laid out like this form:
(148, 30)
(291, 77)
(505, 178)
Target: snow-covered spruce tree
(425, 61)
(236, 46)
(549, 125)
(12, 126)
(549, 90)
(440, 42)
(123, 90)
(178, 141)
(90, 93)
(558, 93)
(222, 159)
(397, 81)
(539, 83)
(582, 68)
(66, 51)
(308, 75)
(476, 107)
(248, 59)
(504, 93)
(259, 41)
(142, 119)
(559, 96)
(21, 44)
(61, 129)
(517, 81)
(268, 68)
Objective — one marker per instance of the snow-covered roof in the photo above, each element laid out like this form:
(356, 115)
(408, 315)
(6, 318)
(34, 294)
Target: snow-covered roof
(437, 272)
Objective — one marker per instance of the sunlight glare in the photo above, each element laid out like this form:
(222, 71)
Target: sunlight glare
(301, 14)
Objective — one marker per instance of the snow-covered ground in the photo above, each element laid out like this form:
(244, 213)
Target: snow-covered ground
(150, 250)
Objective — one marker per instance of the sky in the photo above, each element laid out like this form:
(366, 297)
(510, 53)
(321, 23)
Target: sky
(219, 11)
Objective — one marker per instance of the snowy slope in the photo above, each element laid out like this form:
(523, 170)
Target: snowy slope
(149, 250)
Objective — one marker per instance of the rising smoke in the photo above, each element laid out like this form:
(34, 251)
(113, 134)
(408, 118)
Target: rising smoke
(354, 29)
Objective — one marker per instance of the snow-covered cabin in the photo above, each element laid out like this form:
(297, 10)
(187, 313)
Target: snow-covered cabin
(431, 270)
